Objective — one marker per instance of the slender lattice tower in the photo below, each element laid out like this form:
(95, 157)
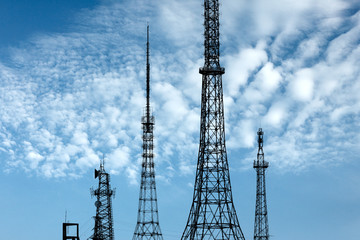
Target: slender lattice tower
(147, 226)
(261, 227)
(103, 229)
(212, 214)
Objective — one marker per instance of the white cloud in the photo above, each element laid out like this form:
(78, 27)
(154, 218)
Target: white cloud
(80, 138)
(269, 78)
(181, 21)
(276, 116)
(120, 158)
(77, 95)
(302, 86)
(267, 81)
(243, 135)
(343, 45)
(241, 65)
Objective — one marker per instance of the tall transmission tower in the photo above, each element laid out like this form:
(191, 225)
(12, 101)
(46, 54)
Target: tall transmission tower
(212, 214)
(147, 226)
(261, 226)
(103, 229)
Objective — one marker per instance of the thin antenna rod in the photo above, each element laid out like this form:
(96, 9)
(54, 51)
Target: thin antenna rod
(102, 163)
(66, 228)
(147, 77)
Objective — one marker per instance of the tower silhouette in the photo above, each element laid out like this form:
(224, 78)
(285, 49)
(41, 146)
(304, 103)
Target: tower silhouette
(103, 229)
(212, 214)
(261, 226)
(147, 226)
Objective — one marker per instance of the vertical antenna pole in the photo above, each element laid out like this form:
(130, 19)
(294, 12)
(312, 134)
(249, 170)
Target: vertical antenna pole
(147, 77)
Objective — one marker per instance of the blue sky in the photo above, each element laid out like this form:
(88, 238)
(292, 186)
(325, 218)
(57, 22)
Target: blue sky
(72, 79)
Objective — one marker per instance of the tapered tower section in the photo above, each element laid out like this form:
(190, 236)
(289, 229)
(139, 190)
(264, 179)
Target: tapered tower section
(261, 226)
(147, 226)
(212, 214)
(103, 229)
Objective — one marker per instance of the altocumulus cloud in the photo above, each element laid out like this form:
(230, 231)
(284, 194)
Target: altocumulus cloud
(68, 98)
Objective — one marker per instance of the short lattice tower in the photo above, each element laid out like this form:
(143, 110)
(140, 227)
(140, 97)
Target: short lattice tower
(212, 214)
(261, 226)
(103, 229)
(147, 227)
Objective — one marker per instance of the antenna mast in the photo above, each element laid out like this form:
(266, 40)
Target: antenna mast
(147, 227)
(147, 77)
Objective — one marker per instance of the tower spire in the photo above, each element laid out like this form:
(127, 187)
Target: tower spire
(261, 226)
(147, 77)
(147, 227)
(212, 214)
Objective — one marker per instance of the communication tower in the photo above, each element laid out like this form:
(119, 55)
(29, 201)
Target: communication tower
(147, 226)
(212, 214)
(103, 229)
(261, 226)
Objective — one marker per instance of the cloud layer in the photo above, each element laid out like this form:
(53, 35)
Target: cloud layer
(68, 98)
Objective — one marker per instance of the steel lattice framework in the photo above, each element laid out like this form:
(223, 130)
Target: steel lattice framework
(147, 226)
(103, 229)
(212, 214)
(261, 226)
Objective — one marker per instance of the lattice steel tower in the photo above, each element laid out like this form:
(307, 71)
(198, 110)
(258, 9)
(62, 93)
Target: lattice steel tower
(147, 226)
(212, 214)
(103, 229)
(261, 226)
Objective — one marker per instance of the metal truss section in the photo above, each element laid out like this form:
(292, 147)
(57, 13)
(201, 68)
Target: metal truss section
(261, 226)
(212, 214)
(147, 227)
